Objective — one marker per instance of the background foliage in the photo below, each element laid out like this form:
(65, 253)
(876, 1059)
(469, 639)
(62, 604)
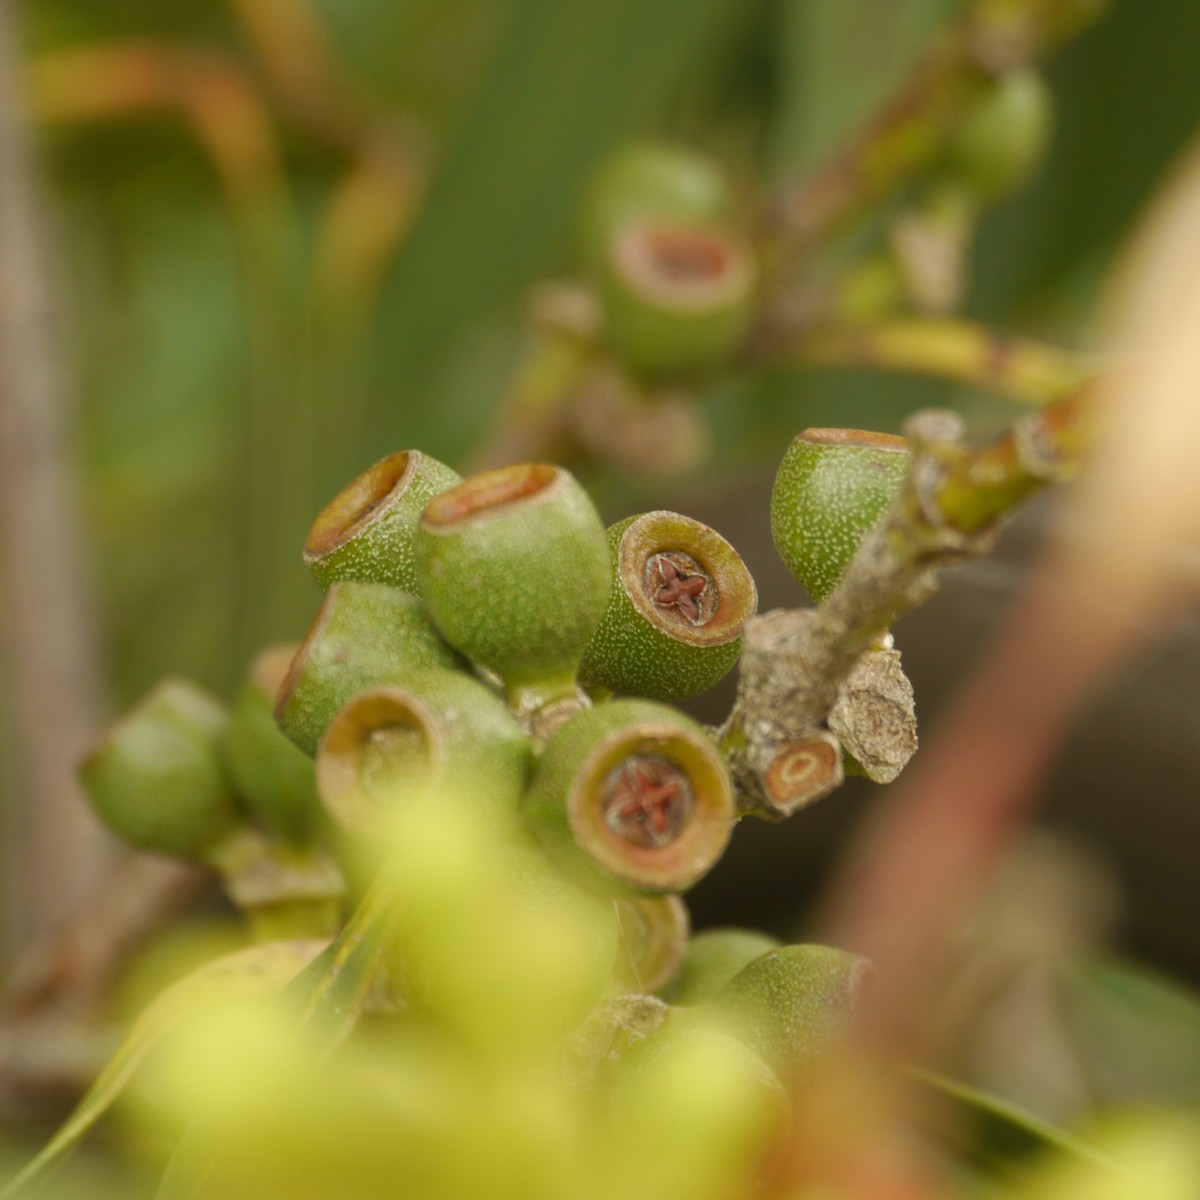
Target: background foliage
(236, 360)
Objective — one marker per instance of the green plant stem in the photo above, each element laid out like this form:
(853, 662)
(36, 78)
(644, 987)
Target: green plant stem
(1019, 368)
(991, 36)
(795, 662)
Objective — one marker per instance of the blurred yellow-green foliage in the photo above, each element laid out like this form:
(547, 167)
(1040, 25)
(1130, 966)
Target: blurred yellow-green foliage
(294, 236)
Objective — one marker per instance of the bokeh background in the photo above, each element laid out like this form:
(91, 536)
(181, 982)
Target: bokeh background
(291, 236)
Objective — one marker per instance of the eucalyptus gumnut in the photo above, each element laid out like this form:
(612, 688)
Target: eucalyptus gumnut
(365, 634)
(440, 734)
(654, 937)
(696, 1112)
(1005, 135)
(679, 599)
(677, 296)
(792, 1006)
(274, 778)
(831, 488)
(649, 180)
(632, 796)
(155, 778)
(366, 531)
(712, 959)
(513, 566)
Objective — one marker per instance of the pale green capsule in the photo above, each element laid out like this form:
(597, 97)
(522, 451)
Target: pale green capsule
(513, 566)
(677, 297)
(155, 778)
(831, 488)
(649, 181)
(366, 634)
(274, 778)
(792, 1005)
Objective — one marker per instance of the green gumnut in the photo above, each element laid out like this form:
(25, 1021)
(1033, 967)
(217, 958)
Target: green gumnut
(679, 599)
(831, 488)
(632, 796)
(677, 298)
(712, 959)
(1005, 136)
(365, 634)
(654, 936)
(274, 778)
(513, 566)
(696, 1112)
(440, 734)
(366, 531)
(649, 181)
(792, 1005)
(155, 777)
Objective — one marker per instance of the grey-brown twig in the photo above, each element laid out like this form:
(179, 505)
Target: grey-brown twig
(796, 664)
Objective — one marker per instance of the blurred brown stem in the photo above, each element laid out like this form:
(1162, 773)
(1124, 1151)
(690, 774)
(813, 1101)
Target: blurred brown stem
(53, 848)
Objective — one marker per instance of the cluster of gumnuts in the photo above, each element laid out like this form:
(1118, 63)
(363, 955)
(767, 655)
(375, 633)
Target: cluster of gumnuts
(488, 643)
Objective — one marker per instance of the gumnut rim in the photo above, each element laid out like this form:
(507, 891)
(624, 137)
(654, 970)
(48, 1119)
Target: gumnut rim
(661, 554)
(633, 850)
(361, 502)
(689, 268)
(862, 439)
(492, 494)
(361, 730)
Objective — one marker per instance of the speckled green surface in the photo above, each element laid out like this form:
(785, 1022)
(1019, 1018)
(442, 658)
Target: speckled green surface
(156, 778)
(365, 634)
(632, 656)
(649, 180)
(656, 337)
(566, 754)
(791, 1004)
(380, 550)
(712, 959)
(274, 778)
(825, 500)
(520, 588)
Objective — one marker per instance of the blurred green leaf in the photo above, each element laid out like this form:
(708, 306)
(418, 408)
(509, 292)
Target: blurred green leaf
(836, 61)
(1138, 1034)
(566, 83)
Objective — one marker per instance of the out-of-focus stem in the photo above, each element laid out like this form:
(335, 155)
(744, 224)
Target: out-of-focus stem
(990, 37)
(54, 849)
(1020, 368)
